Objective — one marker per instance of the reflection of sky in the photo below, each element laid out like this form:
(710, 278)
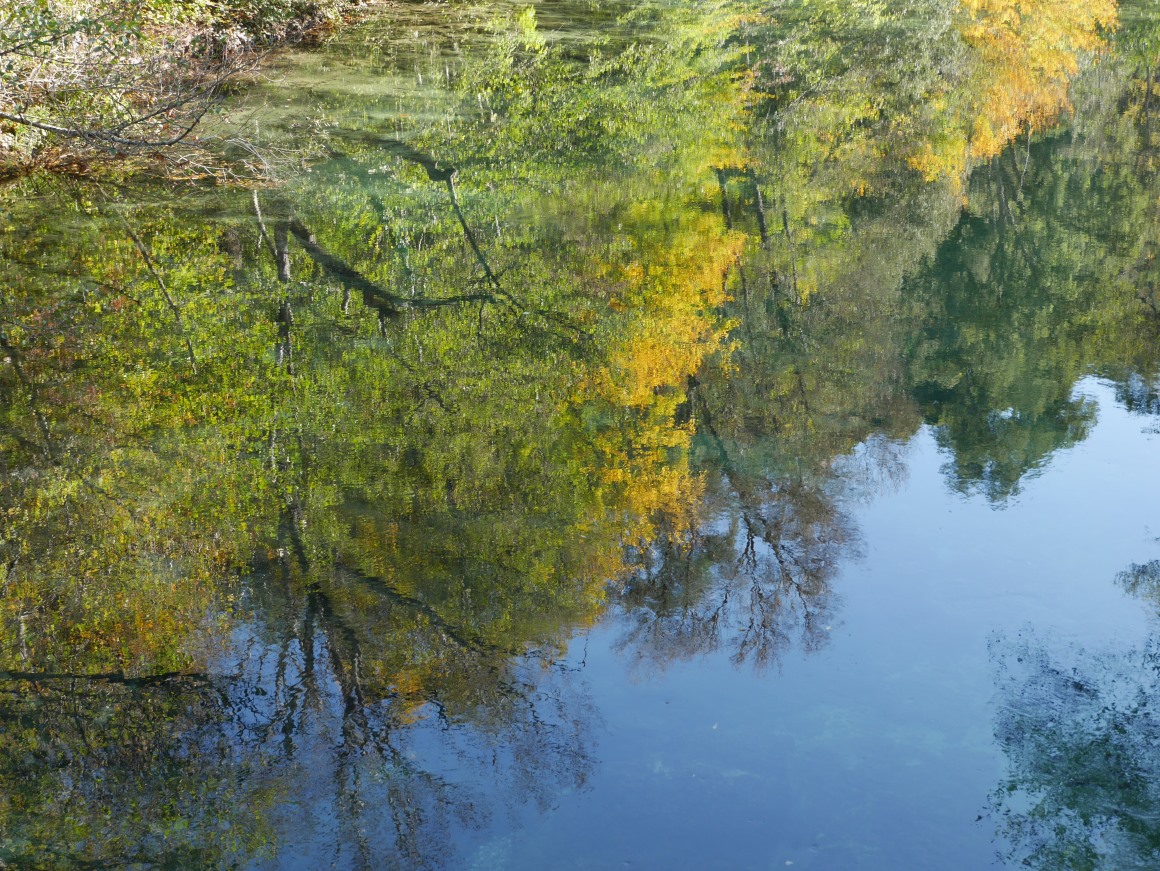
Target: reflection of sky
(878, 751)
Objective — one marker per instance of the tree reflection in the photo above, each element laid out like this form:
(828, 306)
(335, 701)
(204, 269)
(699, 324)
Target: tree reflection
(753, 589)
(306, 490)
(1079, 729)
(754, 580)
(298, 746)
(385, 465)
(1038, 284)
(100, 771)
(389, 773)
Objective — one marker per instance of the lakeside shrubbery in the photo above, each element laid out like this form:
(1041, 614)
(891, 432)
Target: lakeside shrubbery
(90, 79)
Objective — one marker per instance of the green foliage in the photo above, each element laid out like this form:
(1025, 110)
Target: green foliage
(80, 81)
(629, 310)
(1078, 729)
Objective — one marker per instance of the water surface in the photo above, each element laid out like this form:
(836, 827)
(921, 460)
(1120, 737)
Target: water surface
(610, 436)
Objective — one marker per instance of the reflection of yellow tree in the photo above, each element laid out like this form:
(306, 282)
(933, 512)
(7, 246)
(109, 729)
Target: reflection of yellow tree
(933, 86)
(209, 400)
(666, 328)
(1028, 50)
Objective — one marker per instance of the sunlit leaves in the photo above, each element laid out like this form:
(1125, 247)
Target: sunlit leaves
(1029, 50)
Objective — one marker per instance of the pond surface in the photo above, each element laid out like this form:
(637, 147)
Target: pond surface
(611, 435)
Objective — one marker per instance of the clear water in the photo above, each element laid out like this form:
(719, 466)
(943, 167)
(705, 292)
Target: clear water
(693, 479)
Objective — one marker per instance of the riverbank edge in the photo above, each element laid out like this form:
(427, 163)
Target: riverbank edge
(253, 40)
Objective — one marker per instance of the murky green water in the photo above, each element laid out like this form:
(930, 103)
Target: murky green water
(624, 436)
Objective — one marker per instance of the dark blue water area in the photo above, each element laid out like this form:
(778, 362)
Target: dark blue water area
(880, 750)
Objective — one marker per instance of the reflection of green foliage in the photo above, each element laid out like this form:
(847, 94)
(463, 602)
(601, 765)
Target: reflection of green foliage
(1079, 731)
(398, 433)
(1032, 291)
(623, 312)
(1141, 580)
(524, 395)
(858, 87)
(169, 323)
(114, 773)
(1138, 36)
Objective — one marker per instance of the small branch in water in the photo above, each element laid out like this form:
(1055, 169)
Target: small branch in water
(450, 182)
(446, 174)
(726, 212)
(374, 295)
(102, 136)
(173, 307)
(33, 397)
(262, 229)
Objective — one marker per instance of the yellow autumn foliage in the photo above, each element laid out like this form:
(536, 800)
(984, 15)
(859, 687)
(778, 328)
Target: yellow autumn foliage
(1028, 51)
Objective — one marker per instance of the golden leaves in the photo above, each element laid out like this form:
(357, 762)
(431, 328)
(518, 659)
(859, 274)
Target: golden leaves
(1028, 51)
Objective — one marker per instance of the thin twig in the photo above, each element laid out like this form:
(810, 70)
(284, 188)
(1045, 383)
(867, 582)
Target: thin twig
(173, 307)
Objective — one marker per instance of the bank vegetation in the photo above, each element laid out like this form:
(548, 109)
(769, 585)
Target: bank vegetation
(84, 82)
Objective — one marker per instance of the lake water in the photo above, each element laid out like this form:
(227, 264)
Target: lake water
(648, 436)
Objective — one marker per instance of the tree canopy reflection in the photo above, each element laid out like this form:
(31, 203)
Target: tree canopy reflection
(308, 487)
(1079, 730)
